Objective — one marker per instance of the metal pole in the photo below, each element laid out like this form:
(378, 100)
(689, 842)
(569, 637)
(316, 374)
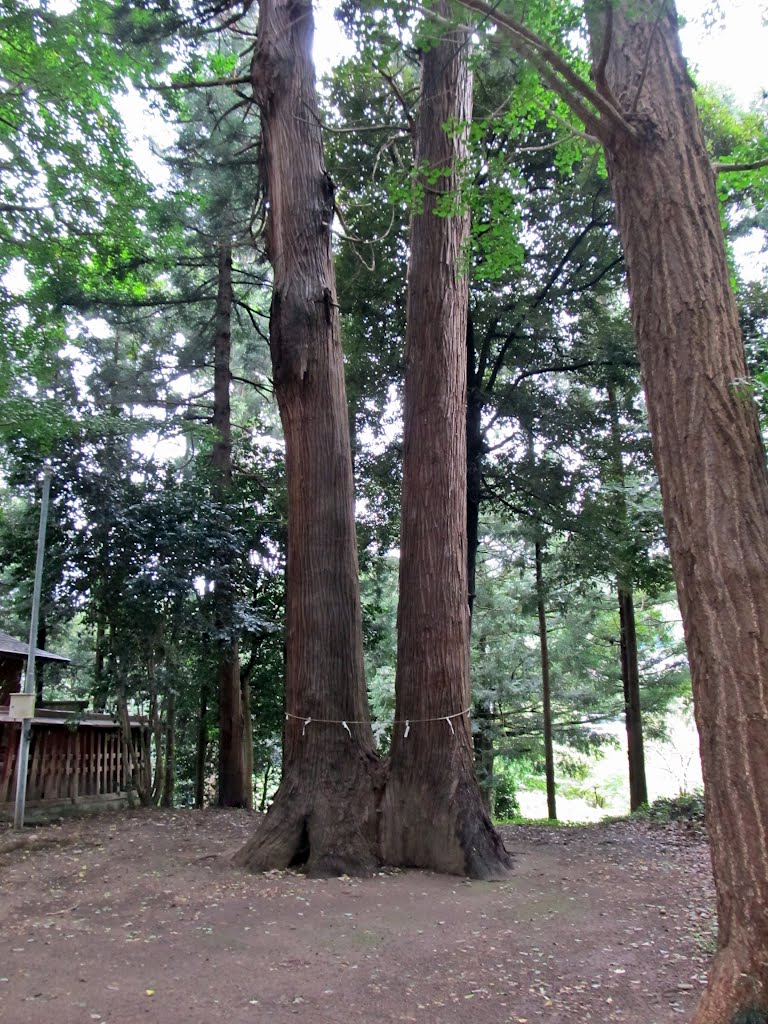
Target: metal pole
(22, 760)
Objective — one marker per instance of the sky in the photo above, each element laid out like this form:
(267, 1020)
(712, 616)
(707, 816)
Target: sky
(732, 54)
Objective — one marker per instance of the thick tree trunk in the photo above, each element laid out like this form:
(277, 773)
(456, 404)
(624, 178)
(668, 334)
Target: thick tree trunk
(432, 813)
(324, 813)
(633, 720)
(234, 782)
(711, 466)
(546, 697)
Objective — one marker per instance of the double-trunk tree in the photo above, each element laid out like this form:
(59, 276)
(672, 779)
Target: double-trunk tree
(706, 443)
(432, 811)
(324, 813)
(333, 810)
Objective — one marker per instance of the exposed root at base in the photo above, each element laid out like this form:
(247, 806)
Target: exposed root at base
(734, 993)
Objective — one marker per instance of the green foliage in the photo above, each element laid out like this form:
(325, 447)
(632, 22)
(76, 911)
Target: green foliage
(684, 807)
(505, 803)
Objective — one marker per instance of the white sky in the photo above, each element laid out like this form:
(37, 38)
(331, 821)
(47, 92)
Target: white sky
(734, 55)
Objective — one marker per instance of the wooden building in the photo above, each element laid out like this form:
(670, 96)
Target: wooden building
(13, 658)
(77, 758)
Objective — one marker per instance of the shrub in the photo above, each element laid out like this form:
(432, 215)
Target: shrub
(683, 807)
(505, 803)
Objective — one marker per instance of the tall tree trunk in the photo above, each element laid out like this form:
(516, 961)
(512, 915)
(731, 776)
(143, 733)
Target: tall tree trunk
(630, 670)
(324, 813)
(234, 782)
(630, 674)
(482, 714)
(475, 453)
(711, 466)
(546, 699)
(431, 776)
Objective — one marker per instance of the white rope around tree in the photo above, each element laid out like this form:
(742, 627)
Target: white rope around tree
(345, 723)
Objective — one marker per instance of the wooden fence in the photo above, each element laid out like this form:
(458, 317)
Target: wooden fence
(69, 760)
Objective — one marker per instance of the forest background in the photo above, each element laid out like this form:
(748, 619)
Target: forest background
(134, 321)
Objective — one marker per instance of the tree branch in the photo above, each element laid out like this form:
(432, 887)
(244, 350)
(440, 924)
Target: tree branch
(205, 83)
(753, 166)
(558, 74)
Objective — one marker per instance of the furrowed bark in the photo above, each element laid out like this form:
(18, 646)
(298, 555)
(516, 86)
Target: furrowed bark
(432, 812)
(712, 469)
(324, 813)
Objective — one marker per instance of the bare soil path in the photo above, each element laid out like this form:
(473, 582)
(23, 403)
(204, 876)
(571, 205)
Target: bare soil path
(137, 917)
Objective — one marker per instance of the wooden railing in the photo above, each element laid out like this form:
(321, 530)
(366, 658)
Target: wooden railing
(66, 762)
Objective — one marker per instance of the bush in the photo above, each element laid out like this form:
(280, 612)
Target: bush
(683, 807)
(505, 803)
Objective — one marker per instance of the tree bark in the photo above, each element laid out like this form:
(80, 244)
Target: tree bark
(432, 812)
(234, 782)
(711, 465)
(324, 813)
(546, 699)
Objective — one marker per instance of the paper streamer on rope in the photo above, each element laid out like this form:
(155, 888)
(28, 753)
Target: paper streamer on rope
(345, 723)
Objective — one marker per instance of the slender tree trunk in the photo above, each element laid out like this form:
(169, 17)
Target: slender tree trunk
(711, 466)
(475, 453)
(483, 734)
(633, 719)
(324, 813)
(245, 696)
(630, 670)
(264, 784)
(546, 700)
(432, 813)
(234, 782)
(100, 685)
(201, 751)
(169, 781)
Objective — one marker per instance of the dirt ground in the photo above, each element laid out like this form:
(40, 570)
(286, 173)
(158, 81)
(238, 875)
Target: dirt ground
(135, 916)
